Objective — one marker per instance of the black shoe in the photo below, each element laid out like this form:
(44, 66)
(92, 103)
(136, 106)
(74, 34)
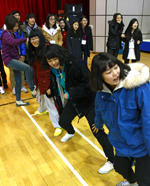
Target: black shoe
(21, 103)
(5, 86)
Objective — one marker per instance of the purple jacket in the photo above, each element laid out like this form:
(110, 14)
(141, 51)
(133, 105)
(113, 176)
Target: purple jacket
(10, 44)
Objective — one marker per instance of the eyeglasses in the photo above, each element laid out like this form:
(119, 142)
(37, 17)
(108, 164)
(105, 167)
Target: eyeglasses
(85, 20)
(52, 19)
(34, 40)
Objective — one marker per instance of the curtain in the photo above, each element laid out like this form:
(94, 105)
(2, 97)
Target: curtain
(40, 8)
(84, 2)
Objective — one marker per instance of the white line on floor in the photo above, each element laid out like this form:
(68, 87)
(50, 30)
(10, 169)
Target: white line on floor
(56, 149)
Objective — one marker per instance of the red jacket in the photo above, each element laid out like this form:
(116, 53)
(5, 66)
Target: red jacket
(41, 77)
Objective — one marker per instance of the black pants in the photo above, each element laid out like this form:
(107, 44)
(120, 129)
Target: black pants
(113, 52)
(84, 50)
(127, 61)
(123, 166)
(3, 74)
(68, 114)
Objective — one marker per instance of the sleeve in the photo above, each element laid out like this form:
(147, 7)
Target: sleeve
(90, 39)
(140, 37)
(68, 43)
(22, 47)
(98, 117)
(143, 100)
(80, 73)
(11, 41)
(60, 39)
(47, 78)
(114, 30)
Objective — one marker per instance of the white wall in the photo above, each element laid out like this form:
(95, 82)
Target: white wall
(101, 11)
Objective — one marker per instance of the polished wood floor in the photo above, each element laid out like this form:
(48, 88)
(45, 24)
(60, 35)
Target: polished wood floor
(31, 156)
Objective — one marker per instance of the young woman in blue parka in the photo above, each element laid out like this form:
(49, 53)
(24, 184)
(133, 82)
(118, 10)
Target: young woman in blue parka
(123, 104)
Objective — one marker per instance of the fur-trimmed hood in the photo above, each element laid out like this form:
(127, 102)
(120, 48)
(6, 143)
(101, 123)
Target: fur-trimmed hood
(47, 30)
(137, 76)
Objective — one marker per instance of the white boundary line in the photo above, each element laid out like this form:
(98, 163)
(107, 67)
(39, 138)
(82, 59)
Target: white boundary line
(56, 149)
(91, 143)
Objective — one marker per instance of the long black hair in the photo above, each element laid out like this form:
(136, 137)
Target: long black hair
(33, 52)
(66, 27)
(114, 22)
(47, 21)
(128, 32)
(86, 27)
(99, 65)
(71, 30)
(52, 51)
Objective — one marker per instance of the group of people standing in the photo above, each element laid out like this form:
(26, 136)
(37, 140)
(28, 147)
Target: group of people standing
(132, 38)
(62, 85)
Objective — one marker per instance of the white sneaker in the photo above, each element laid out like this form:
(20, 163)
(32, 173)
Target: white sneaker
(107, 167)
(21, 103)
(13, 91)
(33, 92)
(2, 91)
(24, 89)
(66, 137)
(126, 183)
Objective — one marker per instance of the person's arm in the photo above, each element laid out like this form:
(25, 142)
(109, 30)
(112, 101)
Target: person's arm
(22, 47)
(68, 43)
(60, 39)
(140, 39)
(79, 73)
(114, 30)
(8, 39)
(143, 100)
(98, 121)
(90, 39)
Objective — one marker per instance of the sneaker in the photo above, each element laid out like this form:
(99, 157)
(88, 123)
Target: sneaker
(13, 91)
(33, 92)
(5, 86)
(24, 89)
(2, 90)
(40, 113)
(21, 103)
(126, 183)
(66, 137)
(58, 131)
(107, 167)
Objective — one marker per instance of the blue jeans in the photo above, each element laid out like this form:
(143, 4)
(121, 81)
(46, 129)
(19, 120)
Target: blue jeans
(17, 67)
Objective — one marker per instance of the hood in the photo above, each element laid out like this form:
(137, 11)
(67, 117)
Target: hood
(47, 30)
(137, 76)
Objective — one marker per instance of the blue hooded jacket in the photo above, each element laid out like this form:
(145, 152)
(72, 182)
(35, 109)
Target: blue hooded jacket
(126, 113)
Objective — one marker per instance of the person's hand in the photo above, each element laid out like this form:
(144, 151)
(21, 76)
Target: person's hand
(22, 58)
(48, 91)
(27, 41)
(138, 42)
(94, 129)
(66, 96)
(123, 35)
(91, 51)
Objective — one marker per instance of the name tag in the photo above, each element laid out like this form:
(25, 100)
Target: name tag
(52, 41)
(83, 42)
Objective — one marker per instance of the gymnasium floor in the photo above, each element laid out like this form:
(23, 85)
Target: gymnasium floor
(31, 156)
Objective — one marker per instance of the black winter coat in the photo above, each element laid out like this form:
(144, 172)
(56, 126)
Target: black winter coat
(89, 42)
(114, 38)
(136, 46)
(77, 85)
(73, 44)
